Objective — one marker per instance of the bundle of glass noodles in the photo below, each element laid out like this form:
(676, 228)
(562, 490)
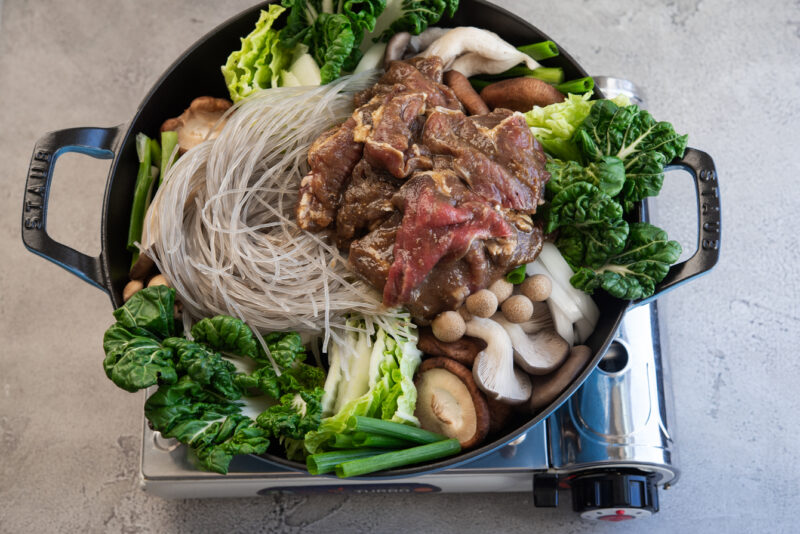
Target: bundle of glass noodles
(222, 228)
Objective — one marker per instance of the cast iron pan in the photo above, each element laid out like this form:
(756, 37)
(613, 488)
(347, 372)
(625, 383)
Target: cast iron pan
(198, 69)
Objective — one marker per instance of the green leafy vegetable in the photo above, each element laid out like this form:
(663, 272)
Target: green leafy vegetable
(258, 64)
(581, 204)
(632, 135)
(591, 221)
(213, 427)
(554, 126)
(607, 174)
(412, 16)
(331, 37)
(139, 363)
(226, 334)
(288, 352)
(633, 273)
(203, 399)
(390, 393)
(296, 414)
(151, 310)
(204, 366)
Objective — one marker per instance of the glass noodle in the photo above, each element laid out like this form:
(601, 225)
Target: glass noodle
(222, 226)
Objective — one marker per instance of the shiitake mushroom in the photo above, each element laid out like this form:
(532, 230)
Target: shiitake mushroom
(450, 403)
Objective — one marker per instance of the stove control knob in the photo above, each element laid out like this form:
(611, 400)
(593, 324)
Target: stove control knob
(614, 495)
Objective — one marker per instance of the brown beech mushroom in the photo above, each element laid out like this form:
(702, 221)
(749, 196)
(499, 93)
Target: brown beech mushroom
(517, 309)
(463, 351)
(502, 289)
(494, 369)
(198, 121)
(158, 280)
(482, 303)
(520, 94)
(142, 268)
(450, 403)
(468, 97)
(547, 388)
(448, 326)
(396, 48)
(537, 287)
(130, 288)
(536, 354)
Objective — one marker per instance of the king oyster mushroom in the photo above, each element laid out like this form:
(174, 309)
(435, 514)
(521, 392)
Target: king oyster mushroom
(494, 369)
(450, 403)
(547, 388)
(471, 51)
(537, 354)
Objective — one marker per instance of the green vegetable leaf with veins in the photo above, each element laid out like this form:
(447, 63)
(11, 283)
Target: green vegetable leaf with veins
(632, 135)
(150, 310)
(296, 414)
(212, 426)
(139, 363)
(205, 366)
(633, 273)
(413, 16)
(226, 334)
(591, 225)
(607, 174)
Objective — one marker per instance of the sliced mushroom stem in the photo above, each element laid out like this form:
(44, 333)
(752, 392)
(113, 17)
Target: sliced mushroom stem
(494, 369)
(547, 388)
(537, 354)
(396, 48)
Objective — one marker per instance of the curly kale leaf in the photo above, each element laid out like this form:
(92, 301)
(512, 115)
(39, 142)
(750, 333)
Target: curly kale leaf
(633, 273)
(632, 135)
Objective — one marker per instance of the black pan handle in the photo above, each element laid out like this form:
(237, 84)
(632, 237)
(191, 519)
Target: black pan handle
(98, 143)
(701, 167)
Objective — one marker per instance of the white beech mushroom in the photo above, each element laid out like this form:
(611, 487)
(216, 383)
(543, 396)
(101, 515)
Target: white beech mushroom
(494, 369)
(471, 51)
(537, 354)
(130, 288)
(158, 280)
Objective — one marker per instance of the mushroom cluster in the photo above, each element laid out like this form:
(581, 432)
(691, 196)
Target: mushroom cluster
(518, 360)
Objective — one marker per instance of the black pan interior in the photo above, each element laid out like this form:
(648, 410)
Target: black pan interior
(197, 73)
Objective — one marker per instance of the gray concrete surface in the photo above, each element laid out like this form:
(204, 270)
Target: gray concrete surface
(725, 72)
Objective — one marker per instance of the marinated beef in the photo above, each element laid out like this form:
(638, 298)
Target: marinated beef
(431, 205)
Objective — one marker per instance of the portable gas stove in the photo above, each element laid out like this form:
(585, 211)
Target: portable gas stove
(610, 443)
